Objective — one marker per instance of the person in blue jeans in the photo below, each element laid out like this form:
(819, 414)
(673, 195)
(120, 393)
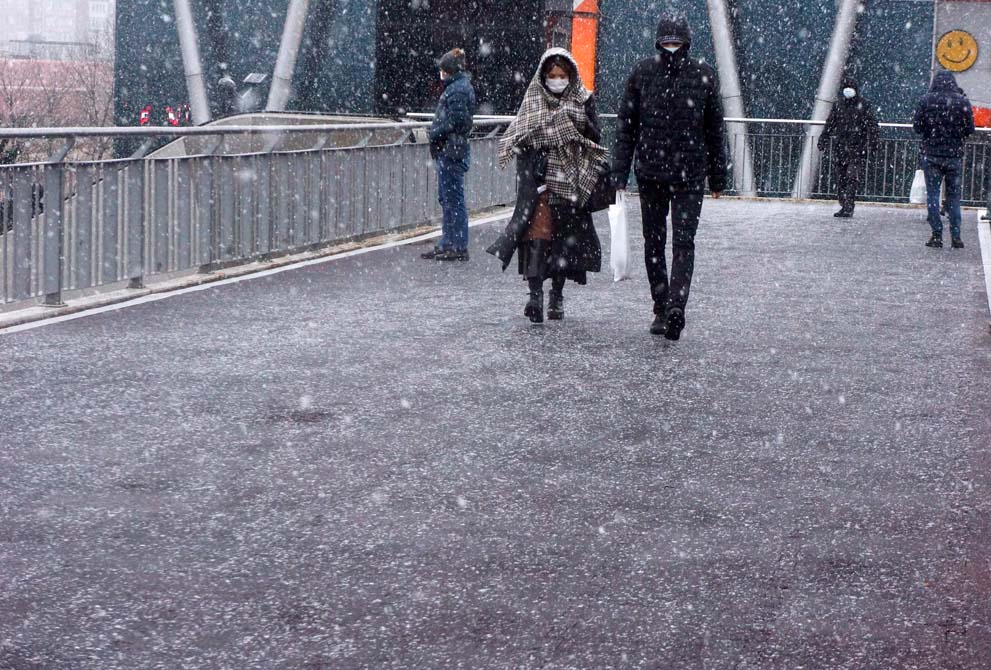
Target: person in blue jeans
(451, 149)
(944, 119)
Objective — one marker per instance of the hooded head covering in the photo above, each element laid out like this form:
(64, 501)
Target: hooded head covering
(673, 29)
(554, 123)
(945, 82)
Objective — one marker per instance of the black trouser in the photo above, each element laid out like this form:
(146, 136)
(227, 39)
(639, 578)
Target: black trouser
(685, 206)
(848, 180)
(536, 284)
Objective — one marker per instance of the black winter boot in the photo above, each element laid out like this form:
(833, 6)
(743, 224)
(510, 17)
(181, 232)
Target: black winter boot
(555, 303)
(936, 241)
(534, 309)
(957, 243)
(675, 323)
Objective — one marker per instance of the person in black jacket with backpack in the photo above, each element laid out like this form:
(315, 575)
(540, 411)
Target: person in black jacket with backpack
(853, 129)
(945, 119)
(450, 147)
(671, 119)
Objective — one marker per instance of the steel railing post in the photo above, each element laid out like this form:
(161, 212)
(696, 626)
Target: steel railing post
(135, 222)
(53, 262)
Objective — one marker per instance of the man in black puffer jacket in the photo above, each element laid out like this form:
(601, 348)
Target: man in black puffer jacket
(671, 117)
(945, 119)
(853, 129)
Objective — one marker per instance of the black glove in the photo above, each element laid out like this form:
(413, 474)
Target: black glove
(436, 149)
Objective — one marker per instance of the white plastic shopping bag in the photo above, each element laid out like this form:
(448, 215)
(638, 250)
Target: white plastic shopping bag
(918, 194)
(619, 250)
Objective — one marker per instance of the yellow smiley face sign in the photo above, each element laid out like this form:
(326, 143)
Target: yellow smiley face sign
(957, 51)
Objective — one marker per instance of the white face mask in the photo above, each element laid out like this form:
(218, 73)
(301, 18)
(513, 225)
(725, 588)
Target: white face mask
(849, 92)
(558, 85)
(673, 49)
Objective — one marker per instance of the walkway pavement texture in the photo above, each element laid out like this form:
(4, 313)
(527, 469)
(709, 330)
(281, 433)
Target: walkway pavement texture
(377, 462)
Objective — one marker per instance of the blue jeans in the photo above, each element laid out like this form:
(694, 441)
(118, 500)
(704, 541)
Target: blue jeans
(936, 169)
(451, 185)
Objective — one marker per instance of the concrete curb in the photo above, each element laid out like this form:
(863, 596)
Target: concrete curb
(35, 316)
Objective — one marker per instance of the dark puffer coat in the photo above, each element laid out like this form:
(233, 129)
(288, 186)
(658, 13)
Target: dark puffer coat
(852, 125)
(671, 118)
(451, 128)
(944, 118)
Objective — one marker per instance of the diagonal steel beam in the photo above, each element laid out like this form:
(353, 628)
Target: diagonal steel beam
(832, 75)
(192, 63)
(285, 66)
(732, 94)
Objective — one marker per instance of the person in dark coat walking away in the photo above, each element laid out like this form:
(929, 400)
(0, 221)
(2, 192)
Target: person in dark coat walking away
(671, 119)
(853, 129)
(451, 149)
(555, 140)
(945, 119)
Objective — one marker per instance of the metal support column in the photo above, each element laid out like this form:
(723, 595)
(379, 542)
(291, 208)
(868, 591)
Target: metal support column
(832, 75)
(199, 104)
(54, 231)
(732, 94)
(285, 66)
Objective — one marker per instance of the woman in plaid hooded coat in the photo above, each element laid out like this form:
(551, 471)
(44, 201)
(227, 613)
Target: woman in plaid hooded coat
(555, 140)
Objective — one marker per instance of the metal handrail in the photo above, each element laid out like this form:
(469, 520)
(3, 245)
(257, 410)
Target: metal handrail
(200, 131)
(482, 121)
(91, 224)
(483, 118)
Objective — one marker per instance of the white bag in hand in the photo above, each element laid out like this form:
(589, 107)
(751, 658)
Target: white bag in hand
(918, 194)
(619, 251)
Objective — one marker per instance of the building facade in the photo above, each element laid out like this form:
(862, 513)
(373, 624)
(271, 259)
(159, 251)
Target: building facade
(56, 30)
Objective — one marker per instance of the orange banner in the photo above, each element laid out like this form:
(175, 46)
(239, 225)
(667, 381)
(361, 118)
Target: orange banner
(584, 39)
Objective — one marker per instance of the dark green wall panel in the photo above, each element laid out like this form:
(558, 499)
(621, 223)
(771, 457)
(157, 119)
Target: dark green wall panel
(781, 48)
(335, 69)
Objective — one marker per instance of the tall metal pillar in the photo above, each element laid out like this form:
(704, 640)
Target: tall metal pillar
(285, 66)
(832, 75)
(732, 94)
(192, 64)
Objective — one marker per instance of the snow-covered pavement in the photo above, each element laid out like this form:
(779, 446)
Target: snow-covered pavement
(377, 462)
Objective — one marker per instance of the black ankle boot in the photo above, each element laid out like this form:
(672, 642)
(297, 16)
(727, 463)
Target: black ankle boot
(936, 242)
(534, 309)
(675, 323)
(555, 306)
(555, 303)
